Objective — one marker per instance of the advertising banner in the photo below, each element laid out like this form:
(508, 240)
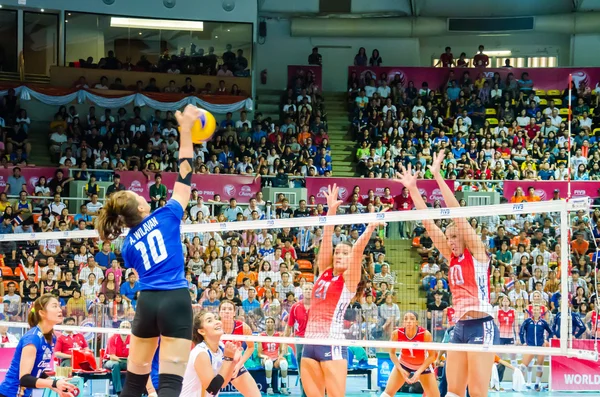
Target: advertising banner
(316, 70)
(545, 189)
(573, 374)
(6, 355)
(32, 176)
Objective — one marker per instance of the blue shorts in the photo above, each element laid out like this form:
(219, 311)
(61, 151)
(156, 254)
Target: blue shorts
(428, 370)
(325, 353)
(241, 372)
(507, 341)
(481, 331)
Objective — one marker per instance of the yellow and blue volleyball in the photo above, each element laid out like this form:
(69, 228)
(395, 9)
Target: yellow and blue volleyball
(204, 127)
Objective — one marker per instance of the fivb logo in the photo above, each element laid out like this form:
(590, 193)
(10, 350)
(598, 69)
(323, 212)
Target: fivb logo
(518, 207)
(444, 211)
(322, 219)
(270, 222)
(223, 225)
(380, 215)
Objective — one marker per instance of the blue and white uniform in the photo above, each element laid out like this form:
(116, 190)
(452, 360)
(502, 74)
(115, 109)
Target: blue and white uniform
(577, 325)
(153, 248)
(43, 361)
(533, 333)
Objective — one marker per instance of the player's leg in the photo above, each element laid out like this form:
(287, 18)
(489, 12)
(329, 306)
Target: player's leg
(457, 364)
(395, 382)
(282, 364)
(525, 365)
(246, 384)
(539, 372)
(335, 372)
(479, 373)
(268, 365)
(430, 385)
(313, 379)
(174, 320)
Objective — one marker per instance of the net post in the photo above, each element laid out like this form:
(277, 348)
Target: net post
(564, 279)
(569, 139)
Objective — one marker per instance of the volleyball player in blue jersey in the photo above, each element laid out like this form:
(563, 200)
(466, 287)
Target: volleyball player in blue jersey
(33, 355)
(153, 248)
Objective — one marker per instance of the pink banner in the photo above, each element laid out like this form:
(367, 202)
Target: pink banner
(573, 374)
(545, 189)
(543, 78)
(241, 188)
(318, 186)
(6, 355)
(316, 70)
(31, 174)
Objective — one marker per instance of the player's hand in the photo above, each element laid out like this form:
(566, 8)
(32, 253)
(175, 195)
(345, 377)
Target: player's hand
(436, 164)
(332, 198)
(404, 372)
(237, 369)
(187, 119)
(238, 355)
(407, 178)
(414, 378)
(64, 386)
(230, 349)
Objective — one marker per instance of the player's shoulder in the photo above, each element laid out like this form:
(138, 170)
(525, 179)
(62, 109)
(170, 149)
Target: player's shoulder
(172, 208)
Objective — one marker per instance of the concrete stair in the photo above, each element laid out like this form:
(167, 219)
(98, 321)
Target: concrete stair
(405, 264)
(38, 135)
(267, 102)
(342, 146)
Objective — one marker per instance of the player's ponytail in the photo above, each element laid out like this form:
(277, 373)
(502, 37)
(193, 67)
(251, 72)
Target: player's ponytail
(119, 211)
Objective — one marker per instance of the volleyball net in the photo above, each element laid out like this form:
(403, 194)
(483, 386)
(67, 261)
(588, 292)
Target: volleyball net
(539, 260)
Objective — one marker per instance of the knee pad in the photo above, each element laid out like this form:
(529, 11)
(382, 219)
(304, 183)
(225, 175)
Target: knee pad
(539, 368)
(450, 394)
(530, 366)
(268, 365)
(283, 365)
(169, 385)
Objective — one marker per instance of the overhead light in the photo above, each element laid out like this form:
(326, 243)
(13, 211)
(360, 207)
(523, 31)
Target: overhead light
(66, 21)
(42, 10)
(0, 5)
(499, 53)
(216, 37)
(229, 30)
(168, 24)
(69, 14)
(140, 33)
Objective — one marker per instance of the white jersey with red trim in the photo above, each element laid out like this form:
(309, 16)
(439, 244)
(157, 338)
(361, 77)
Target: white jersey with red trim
(506, 323)
(330, 298)
(469, 285)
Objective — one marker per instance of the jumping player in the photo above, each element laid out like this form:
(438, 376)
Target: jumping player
(33, 355)
(534, 331)
(221, 357)
(325, 368)
(413, 365)
(153, 248)
(273, 356)
(469, 285)
(232, 326)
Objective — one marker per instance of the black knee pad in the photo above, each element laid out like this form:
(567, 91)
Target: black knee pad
(169, 385)
(135, 385)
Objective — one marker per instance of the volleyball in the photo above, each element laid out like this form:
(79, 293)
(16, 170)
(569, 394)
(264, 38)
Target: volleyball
(204, 128)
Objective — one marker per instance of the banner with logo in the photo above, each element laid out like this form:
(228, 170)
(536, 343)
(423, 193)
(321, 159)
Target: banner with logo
(318, 186)
(293, 72)
(241, 188)
(573, 374)
(545, 189)
(31, 174)
(543, 78)
(6, 355)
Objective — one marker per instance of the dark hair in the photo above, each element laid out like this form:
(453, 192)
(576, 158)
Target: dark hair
(226, 301)
(197, 325)
(34, 317)
(414, 314)
(119, 211)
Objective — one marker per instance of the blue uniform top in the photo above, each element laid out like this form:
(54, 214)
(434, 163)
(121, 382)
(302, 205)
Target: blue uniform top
(577, 326)
(42, 362)
(153, 249)
(532, 332)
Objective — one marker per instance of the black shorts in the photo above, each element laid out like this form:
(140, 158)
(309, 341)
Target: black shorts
(166, 313)
(507, 341)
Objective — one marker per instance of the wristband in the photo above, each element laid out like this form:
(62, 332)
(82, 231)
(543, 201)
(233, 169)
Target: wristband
(54, 383)
(185, 171)
(227, 358)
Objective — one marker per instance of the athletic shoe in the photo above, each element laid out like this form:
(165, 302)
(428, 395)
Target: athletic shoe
(270, 391)
(537, 387)
(284, 391)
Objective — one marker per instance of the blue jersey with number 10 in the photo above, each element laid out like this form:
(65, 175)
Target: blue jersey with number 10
(153, 248)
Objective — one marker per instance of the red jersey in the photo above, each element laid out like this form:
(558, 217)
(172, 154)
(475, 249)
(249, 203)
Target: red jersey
(469, 285)
(298, 318)
(410, 358)
(330, 298)
(270, 349)
(506, 321)
(451, 315)
(66, 343)
(446, 60)
(480, 60)
(595, 321)
(542, 311)
(403, 203)
(238, 329)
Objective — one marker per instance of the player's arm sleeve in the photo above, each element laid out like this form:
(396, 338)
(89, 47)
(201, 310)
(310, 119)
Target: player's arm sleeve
(291, 317)
(175, 208)
(522, 331)
(556, 325)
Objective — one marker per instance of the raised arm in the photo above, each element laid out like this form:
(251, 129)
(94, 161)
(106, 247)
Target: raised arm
(358, 249)
(326, 250)
(437, 236)
(182, 188)
(465, 230)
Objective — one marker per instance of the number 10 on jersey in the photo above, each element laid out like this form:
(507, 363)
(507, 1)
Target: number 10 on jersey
(158, 250)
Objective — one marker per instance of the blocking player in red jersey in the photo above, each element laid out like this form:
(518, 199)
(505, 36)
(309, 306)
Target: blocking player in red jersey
(468, 278)
(325, 368)
(235, 327)
(272, 355)
(413, 365)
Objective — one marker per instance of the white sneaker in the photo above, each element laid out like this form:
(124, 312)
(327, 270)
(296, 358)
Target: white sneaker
(270, 391)
(284, 391)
